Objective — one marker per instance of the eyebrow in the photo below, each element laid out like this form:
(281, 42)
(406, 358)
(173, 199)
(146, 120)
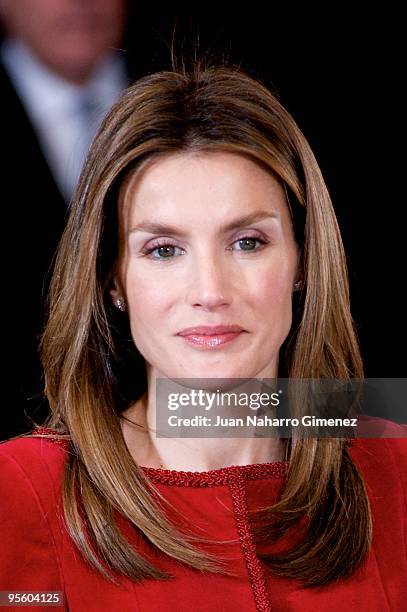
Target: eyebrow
(163, 228)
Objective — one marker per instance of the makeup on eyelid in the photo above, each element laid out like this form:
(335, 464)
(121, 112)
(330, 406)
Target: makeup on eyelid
(167, 242)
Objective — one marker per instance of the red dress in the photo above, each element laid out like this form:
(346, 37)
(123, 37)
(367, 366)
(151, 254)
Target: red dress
(36, 553)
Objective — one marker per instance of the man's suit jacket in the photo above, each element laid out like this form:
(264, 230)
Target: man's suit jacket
(35, 215)
(34, 212)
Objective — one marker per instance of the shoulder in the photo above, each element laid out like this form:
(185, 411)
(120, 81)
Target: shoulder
(30, 511)
(376, 427)
(31, 468)
(387, 438)
(32, 456)
(382, 457)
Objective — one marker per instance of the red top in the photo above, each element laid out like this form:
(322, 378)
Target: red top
(37, 554)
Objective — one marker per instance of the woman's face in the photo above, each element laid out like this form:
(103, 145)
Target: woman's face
(207, 267)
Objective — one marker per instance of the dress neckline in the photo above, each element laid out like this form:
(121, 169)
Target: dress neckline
(220, 476)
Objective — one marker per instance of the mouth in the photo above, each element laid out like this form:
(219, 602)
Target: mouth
(211, 337)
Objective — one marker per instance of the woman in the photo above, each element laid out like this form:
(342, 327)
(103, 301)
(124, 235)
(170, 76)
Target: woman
(202, 244)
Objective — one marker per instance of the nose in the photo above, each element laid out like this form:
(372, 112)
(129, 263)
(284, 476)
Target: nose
(210, 286)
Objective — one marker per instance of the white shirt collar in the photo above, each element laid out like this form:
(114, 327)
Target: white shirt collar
(44, 91)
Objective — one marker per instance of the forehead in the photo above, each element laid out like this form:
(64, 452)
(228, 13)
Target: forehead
(199, 187)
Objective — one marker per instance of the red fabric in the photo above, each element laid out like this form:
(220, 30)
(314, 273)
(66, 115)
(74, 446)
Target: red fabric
(36, 553)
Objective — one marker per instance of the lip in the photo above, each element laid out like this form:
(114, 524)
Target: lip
(210, 330)
(207, 337)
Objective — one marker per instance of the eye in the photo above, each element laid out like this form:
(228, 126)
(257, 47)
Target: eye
(249, 243)
(163, 251)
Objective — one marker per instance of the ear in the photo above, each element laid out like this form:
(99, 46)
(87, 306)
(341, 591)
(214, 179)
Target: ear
(299, 276)
(117, 293)
(114, 289)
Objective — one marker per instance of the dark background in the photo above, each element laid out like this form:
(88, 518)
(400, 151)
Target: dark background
(339, 72)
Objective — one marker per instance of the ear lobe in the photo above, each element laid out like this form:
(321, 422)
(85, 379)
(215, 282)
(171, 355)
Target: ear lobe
(115, 291)
(300, 274)
(299, 282)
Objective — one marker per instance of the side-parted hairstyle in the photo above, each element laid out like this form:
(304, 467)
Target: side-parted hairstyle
(93, 372)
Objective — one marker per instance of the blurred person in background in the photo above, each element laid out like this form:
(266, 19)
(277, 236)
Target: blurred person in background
(61, 69)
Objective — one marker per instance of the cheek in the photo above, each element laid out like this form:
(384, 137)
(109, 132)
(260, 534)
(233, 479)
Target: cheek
(270, 295)
(148, 303)
(273, 288)
(148, 299)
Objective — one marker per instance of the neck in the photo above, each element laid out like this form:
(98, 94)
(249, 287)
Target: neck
(162, 449)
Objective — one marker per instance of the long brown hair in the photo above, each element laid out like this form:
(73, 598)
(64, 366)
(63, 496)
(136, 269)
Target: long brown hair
(88, 354)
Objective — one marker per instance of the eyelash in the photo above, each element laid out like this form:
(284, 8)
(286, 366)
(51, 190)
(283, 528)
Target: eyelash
(165, 243)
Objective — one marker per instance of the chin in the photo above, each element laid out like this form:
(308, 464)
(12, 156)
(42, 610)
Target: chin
(216, 373)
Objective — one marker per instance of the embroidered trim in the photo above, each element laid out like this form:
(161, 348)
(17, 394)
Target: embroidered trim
(222, 476)
(46, 432)
(253, 564)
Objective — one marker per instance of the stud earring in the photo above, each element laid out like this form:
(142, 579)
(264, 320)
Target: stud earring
(121, 304)
(297, 285)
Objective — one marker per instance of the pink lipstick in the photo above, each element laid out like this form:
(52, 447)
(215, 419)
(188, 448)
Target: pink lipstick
(210, 337)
